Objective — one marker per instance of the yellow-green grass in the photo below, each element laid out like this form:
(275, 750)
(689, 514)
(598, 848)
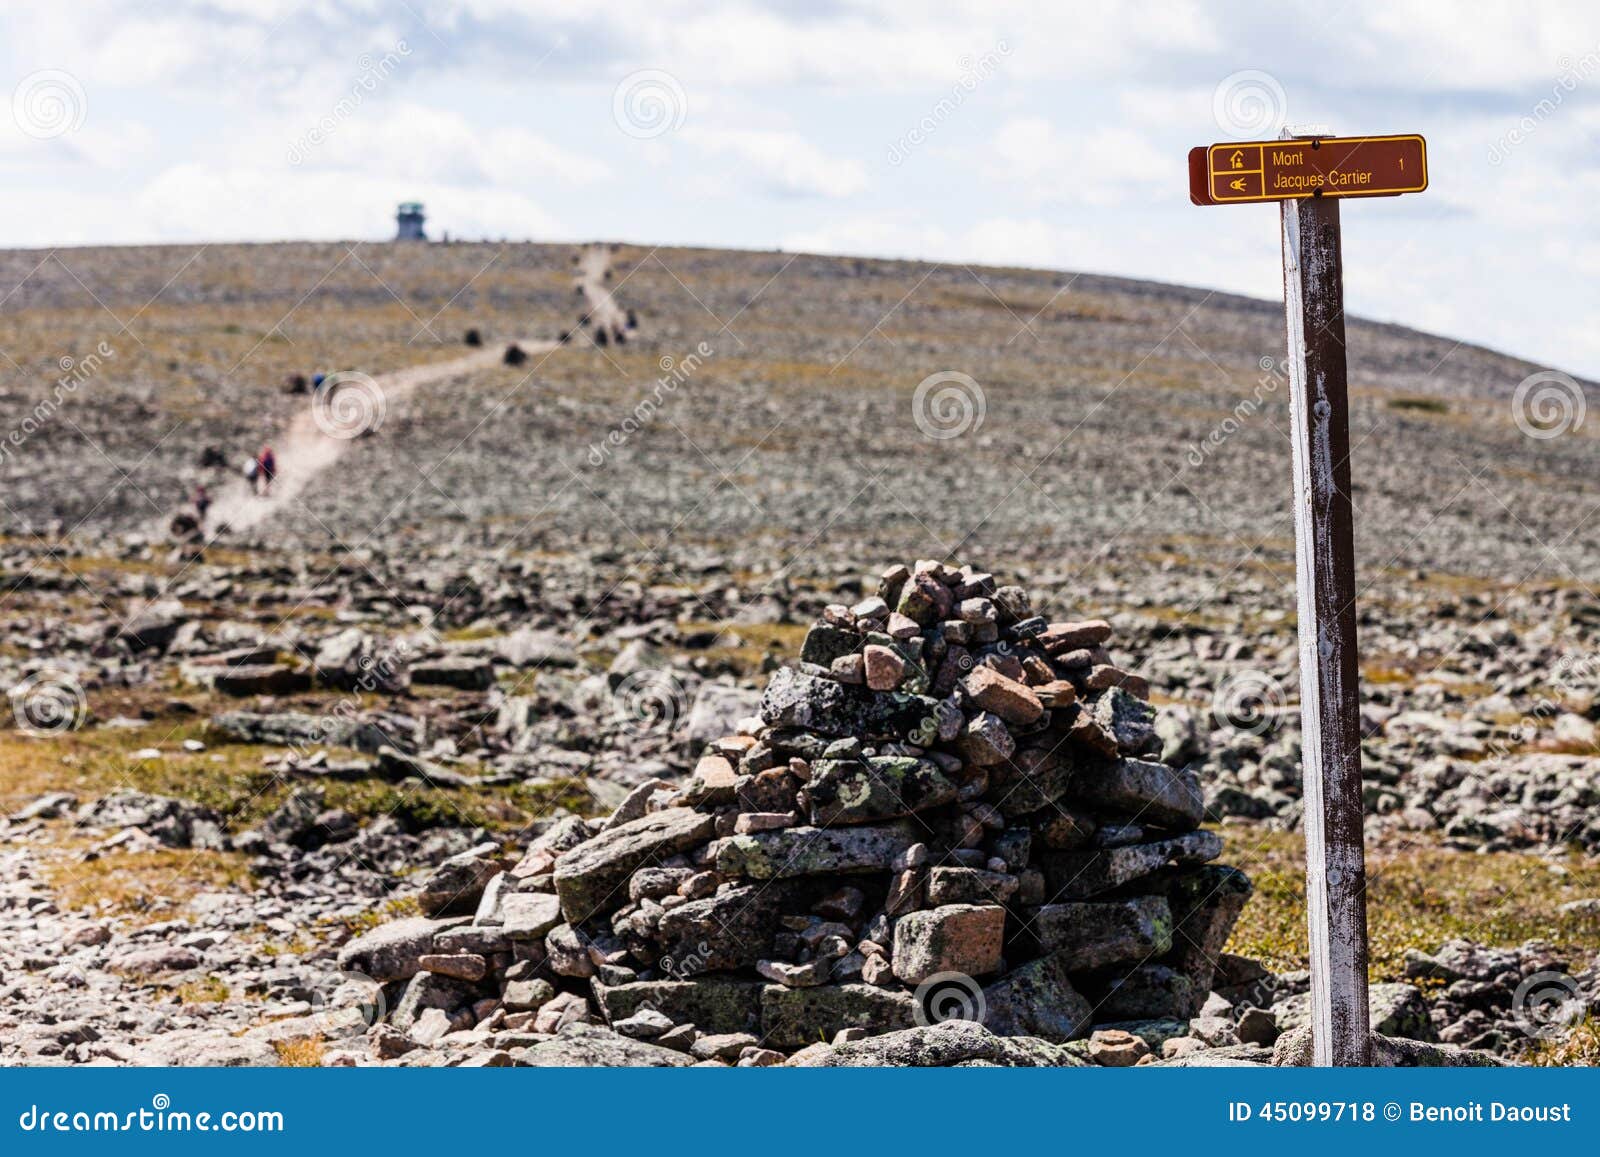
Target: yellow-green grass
(235, 780)
(142, 887)
(1418, 896)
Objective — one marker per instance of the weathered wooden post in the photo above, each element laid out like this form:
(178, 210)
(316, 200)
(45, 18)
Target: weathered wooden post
(1325, 581)
(1308, 175)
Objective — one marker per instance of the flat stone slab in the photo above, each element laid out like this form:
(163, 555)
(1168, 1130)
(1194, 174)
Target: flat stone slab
(1078, 875)
(529, 915)
(393, 951)
(592, 878)
(794, 1017)
(1151, 793)
(714, 1004)
(942, 1045)
(591, 1046)
(808, 851)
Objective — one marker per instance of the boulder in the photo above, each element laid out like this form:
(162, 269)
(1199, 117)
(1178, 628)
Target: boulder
(711, 1003)
(944, 1045)
(1037, 1000)
(962, 938)
(591, 1046)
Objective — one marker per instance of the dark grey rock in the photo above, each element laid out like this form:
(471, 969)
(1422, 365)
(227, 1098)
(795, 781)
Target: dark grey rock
(1088, 935)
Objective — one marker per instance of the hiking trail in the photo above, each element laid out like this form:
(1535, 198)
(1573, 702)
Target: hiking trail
(329, 427)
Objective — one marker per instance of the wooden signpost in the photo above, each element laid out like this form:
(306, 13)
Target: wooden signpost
(1309, 175)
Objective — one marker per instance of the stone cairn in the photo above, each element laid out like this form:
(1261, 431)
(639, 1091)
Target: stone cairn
(950, 809)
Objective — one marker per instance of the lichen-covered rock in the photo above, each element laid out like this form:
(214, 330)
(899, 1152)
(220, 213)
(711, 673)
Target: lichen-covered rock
(1395, 1010)
(875, 788)
(794, 1017)
(592, 1046)
(710, 1003)
(1038, 1000)
(810, 851)
(732, 929)
(1293, 1050)
(1087, 935)
(1078, 875)
(951, 1043)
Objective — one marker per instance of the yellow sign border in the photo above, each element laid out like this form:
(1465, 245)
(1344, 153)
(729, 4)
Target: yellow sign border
(1212, 172)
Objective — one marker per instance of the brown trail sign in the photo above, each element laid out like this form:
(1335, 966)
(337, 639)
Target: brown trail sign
(1242, 172)
(1308, 174)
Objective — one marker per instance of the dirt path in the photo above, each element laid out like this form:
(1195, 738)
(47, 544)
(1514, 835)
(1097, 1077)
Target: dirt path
(605, 315)
(330, 426)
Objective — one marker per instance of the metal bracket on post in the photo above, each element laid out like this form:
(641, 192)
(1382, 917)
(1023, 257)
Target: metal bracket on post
(1336, 904)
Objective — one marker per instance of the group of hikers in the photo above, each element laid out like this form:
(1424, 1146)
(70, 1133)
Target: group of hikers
(258, 472)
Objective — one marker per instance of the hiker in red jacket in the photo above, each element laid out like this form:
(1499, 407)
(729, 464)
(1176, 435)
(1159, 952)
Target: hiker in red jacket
(267, 469)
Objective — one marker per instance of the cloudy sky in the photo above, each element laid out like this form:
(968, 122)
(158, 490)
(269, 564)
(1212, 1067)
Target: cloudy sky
(1043, 134)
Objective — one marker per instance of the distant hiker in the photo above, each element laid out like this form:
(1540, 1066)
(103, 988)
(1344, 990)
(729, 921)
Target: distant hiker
(252, 471)
(317, 382)
(202, 502)
(267, 469)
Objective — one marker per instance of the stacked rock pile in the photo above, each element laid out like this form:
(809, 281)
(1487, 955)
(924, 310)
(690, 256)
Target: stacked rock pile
(950, 808)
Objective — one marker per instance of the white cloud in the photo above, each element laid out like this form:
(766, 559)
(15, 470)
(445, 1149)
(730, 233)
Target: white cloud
(782, 162)
(1102, 166)
(1070, 154)
(417, 142)
(196, 202)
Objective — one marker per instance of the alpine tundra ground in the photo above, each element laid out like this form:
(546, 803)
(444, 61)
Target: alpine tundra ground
(542, 584)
